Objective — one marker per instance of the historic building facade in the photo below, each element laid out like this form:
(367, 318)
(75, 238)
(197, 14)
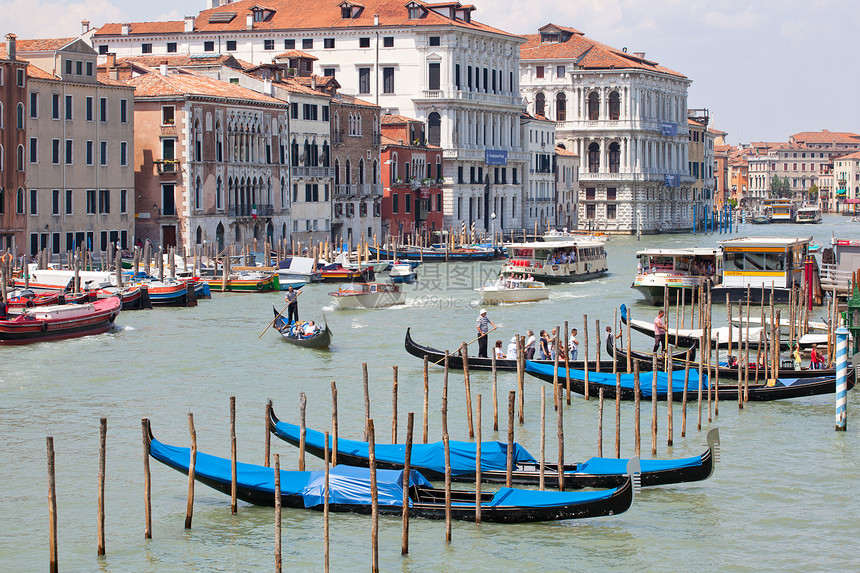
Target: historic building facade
(412, 179)
(626, 117)
(539, 195)
(566, 187)
(79, 188)
(432, 62)
(209, 161)
(13, 140)
(356, 134)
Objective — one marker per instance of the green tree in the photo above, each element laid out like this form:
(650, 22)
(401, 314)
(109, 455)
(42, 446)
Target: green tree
(813, 192)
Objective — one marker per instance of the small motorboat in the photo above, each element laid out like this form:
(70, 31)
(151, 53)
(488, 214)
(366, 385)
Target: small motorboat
(55, 322)
(19, 299)
(402, 273)
(511, 289)
(245, 281)
(368, 295)
(293, 333)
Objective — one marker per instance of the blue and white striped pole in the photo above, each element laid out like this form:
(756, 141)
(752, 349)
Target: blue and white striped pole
(841, 379)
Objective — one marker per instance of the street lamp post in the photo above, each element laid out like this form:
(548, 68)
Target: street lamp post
(638, 223)
(493, 228)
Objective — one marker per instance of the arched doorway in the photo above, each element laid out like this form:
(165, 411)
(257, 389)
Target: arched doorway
(434, 129)
(219, 236)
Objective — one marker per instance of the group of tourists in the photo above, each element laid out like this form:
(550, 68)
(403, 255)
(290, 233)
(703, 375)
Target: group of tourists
(540, 347)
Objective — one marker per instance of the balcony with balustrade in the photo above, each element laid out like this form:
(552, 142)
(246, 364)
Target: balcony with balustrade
(248, 211)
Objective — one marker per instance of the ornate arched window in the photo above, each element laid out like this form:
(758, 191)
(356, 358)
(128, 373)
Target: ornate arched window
(540, 104)
(594, 158)
(614, 157)
(614, 106)
(434, 129)
(593, 106)
(560, 107)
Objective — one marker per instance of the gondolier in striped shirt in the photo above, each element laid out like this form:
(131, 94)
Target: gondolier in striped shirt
(483, 325)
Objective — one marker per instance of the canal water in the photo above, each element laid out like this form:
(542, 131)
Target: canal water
(781, 499)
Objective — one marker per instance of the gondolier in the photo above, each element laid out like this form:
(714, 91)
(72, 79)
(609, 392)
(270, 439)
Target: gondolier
(293, 306)
(483, 326)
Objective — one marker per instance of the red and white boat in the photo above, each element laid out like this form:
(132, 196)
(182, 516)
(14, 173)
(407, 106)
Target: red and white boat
(60, 321)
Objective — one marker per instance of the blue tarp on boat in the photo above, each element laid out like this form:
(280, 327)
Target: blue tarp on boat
(351, 485)
(615, 466)
(608, 378)
(429, 456)
(536, 498)
(347, 484)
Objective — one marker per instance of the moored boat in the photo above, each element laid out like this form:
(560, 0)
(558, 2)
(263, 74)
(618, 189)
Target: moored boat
(350, 491)
(56, 322)
(244, 281)
(558, 261)
(512, 289)
(402, 273)
(292, 333)
(676, 271)
(429, 459)
(436, 253)
(368, 295)
(809, 214)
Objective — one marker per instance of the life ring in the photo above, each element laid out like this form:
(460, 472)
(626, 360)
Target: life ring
(44, 327)
(29, 303)
(4, 259)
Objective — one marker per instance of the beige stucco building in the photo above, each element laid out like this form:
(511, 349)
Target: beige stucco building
(79, 144)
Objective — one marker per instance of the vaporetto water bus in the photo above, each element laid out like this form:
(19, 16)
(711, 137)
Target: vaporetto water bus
(681, 270)
(556, 261)
(757, 262)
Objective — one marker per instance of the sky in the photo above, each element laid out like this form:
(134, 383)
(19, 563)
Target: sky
(764, 69)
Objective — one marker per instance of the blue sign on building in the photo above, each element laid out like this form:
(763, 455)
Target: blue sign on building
(673, 180)
(496, 157)
(669, 128)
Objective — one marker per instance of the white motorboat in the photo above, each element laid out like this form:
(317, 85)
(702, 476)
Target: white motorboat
(808, 215)
(368, 295)
(509, 289)
(402, 273)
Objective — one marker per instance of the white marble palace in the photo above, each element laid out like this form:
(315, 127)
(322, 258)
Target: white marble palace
(626, 117)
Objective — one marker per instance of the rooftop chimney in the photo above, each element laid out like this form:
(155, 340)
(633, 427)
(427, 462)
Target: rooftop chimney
(376, 19)
(126, 29)
(112, 70)
(162, 69)
(189, 23)
(267, 87)
(85, 26)
(11, 46)
(640, 55)
(313, 82)
(249, 21)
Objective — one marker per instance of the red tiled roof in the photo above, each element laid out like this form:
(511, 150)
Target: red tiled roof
(182, 61)
(187, 84)
(352, 100)
(302, 15)
(850, 156)
(385, 140)
(295, 54)
(825, 136)
(394, 119)
(39, 73)
(587, 54)
(565, 152)
(43, 45)
(321, 81)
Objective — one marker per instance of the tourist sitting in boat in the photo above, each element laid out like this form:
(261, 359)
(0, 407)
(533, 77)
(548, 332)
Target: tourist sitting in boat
(309, 328)
(500, 353)
(512, 349)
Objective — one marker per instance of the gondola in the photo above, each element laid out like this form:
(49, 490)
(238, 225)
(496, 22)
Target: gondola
(766, 391)
(455, 361)
(321, 339)
(686, 337)
(350, 491)
(429, 459)
(620, 354)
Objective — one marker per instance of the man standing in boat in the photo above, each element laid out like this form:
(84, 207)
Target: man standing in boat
(483, 326)
(659, 332)
(293, 305)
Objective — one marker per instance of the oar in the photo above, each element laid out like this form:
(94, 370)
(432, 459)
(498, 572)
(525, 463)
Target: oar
(468, 343)
(273, 322)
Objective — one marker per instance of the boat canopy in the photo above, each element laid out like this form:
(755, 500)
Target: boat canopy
(535, 498)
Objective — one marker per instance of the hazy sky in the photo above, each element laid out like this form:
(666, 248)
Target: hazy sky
(765, 69)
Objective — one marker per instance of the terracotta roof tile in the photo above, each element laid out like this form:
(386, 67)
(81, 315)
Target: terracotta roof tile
(43, 45)
(394, 119)
(187, 84)
(352, 100)
(39, 73)
(301, 15)
(850, 156)
(587, 54)
(825, 136)
(295, 54)
(182, 61)
(565, 152)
